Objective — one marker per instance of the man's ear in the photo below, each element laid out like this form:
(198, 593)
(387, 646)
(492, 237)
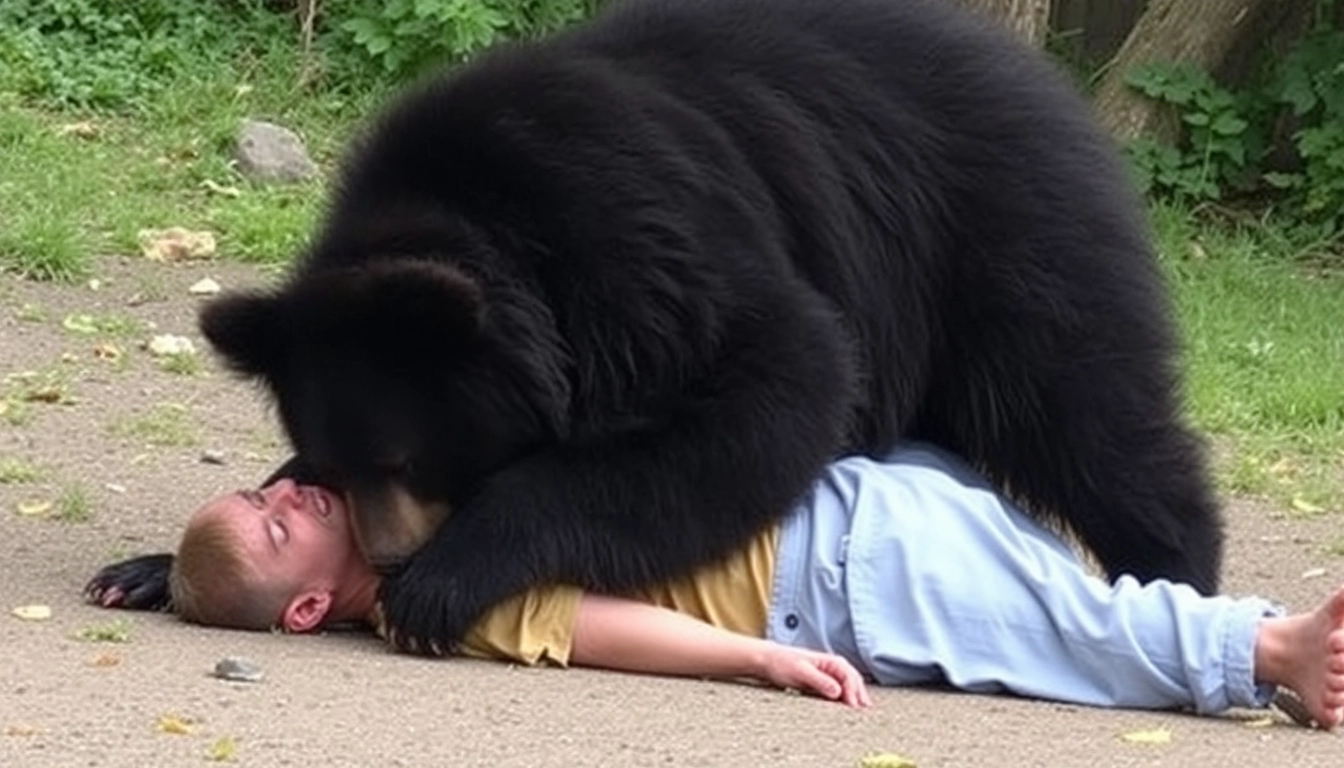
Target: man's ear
(246, 329)
(305, 611)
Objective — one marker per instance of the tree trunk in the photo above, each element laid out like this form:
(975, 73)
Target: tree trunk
(1029, 19)
(1198, 32)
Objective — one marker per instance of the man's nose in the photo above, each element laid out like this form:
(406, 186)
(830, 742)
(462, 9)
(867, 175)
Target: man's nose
(287, 496)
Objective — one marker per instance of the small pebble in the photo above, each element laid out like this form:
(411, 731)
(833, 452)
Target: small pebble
(238, 669)
(171, 345)
(212, 456)
(204, 287)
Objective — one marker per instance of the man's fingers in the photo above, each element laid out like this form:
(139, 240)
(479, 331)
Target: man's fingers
(847, 678)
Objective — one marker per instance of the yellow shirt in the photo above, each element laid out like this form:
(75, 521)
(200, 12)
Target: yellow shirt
(538, 625)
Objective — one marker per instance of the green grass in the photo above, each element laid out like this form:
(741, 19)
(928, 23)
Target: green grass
(67, 197)
(1264, 356)
(166, 425)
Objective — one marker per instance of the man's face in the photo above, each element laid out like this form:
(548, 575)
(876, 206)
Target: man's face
(294, 535)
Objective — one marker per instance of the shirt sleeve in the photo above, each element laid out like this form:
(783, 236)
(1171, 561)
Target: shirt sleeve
(531, 628)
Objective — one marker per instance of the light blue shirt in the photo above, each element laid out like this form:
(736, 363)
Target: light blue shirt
(917, 572)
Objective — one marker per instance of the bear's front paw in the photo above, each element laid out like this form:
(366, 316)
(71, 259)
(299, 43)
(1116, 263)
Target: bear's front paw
(139, 584)
(421, 617)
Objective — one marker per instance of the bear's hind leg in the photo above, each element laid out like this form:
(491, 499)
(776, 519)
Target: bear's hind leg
(1092, 441)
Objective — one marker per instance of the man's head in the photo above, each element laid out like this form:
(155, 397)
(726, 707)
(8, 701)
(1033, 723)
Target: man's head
(283, 556)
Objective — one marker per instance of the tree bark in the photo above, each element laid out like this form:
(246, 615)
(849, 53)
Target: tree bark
(1028, 19)
(1198, 32)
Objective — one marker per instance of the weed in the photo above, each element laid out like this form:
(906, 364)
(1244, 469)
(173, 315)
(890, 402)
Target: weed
(116, 326)
(73, 506)
(18, 471)
(184, 364)
(167, 425)
(118, 631)
(15, 412)
(50, 385)
(30, 313)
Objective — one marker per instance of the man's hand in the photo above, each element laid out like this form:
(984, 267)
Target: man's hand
(829, 676)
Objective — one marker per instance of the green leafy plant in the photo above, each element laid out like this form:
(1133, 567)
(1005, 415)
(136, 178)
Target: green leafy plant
(111, 53)
(405, 36)
(1227, 137)
(1310, 82)
(1219, 146)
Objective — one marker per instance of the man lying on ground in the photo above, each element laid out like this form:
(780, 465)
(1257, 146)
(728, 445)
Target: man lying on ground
(910, 569)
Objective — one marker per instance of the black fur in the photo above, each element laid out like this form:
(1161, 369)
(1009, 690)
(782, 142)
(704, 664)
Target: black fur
(620, 294)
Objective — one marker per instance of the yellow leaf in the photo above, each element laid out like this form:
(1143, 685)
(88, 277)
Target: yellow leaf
(33, 612)
(1302, 505)
(107, 351)
(1155, 736)
(223, 750)
(174, 724)
(20, 729)
(34, 508)
(886, 760)
(1260, 722)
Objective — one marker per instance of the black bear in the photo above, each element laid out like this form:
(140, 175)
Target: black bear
(617, 295)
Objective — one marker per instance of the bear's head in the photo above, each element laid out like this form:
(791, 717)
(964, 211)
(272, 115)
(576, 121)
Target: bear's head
(402, 382)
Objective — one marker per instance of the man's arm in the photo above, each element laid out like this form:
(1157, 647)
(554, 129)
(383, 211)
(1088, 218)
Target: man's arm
(614, 633)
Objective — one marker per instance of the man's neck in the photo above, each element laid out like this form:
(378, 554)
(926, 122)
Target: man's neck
(358, 595)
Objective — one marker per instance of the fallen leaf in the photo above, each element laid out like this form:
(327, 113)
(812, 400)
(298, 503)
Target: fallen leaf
(221, 189)
(20, 729)
(1260, 722)
(105, 660)
(1302, 505)
(225, 749)
(174, 724)
(47, 394)
(1155, 736)
(107, 351)
(84, 129)
(176, 244)
(34, 508)
(886, 760)
(1282, 467)
(33, 612)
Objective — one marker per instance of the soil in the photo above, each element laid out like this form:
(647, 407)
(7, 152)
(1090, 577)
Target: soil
(120, 460)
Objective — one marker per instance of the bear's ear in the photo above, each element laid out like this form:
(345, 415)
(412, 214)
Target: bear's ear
(246, 329)
(419, 300)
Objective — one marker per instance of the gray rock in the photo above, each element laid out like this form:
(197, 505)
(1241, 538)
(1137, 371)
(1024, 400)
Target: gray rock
(212, 456)
(268, 152)
(238, 669)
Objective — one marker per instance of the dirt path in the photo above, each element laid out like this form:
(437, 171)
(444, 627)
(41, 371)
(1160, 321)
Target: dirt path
(121, 466)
